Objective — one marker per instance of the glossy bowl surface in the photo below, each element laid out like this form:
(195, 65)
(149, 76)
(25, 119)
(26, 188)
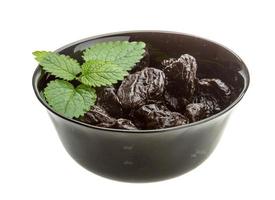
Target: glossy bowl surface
(150, 155)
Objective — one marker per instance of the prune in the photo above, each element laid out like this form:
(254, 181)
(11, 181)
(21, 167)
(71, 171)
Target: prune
(108, 100)
(169, 61)
(151, 98)
(181, 75)
(210, 103)
(98, 116)
(143, 63)
(215, 88)
(195, 111)
(175, 103)
(141, 87)
(153, 116)
(125, 124)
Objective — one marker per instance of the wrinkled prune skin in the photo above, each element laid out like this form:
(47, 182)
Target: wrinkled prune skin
(141, 87)
(181, 76)
(98, 116)
(154, 116)
(210, 103)
(151, 98)
(169, 61)
(125, 124)
(108, 100)
(175, 103)
(143, 63)
(215, 88)
(195, 111)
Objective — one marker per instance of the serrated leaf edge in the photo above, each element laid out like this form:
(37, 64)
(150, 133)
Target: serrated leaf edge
(138, 45)
(91, 91)
(39, 59)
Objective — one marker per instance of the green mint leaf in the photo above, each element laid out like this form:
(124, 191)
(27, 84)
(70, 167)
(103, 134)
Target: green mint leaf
(39, 55)
(58, 65)
(123, 53)
(67, 100)
(101, 73)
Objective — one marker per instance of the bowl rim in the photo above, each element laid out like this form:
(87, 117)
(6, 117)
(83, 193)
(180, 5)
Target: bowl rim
(185, 126)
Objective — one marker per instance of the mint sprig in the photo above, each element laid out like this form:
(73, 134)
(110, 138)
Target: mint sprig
(68, 100)
(105, 64)
(124, 54)
(100, 73)
(60, 66)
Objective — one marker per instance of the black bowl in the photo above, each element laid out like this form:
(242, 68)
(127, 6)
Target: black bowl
(150, 155)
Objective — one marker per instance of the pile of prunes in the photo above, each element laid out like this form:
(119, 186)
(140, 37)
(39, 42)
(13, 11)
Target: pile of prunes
(155, 97)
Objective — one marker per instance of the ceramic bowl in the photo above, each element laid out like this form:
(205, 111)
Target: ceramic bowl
(150, 155)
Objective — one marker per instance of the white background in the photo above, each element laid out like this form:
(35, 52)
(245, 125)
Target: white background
(34, 164)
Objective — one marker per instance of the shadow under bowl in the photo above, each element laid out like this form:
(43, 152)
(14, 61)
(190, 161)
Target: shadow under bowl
(150, 155)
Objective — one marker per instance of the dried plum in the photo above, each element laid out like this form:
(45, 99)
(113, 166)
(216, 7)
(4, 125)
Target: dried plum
(169, 61)
(215, 88)
(125, 124)
(98, 116)
(151, 98)
(153, 116)
(175, 103)
(210, 103)
(107, 99)
(141, 87)
(181, 75)
(195, 111)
